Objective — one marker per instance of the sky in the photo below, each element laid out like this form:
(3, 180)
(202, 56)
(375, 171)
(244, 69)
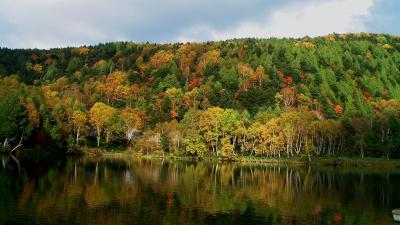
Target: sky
(61, 23)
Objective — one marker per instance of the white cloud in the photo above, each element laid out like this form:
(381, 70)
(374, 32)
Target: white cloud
(57, 23)
(295, 20)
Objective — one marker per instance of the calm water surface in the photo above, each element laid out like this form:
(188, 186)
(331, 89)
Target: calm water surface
(104, 191)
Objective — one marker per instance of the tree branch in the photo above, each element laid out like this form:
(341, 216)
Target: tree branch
(18, 146)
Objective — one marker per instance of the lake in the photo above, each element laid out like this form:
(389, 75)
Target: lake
(132, 191)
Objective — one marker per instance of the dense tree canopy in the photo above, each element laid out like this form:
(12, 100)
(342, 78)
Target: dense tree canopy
(332, 95)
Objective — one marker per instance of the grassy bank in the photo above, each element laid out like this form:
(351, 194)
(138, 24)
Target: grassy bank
(342, 161)
(321, 161)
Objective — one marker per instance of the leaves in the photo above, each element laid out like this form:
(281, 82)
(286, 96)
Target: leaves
(99, 115)
(338, 109)
(174, 90)
(161, 59)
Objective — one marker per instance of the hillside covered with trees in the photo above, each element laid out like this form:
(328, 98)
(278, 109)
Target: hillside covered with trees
(327, 96)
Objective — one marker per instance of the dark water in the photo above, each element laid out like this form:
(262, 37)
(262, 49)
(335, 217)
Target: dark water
(100, 191)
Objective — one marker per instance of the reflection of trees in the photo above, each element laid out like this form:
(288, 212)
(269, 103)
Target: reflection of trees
(301, 192)
(90, 191)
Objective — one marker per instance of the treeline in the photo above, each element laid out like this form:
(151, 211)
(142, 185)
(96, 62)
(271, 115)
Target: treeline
(332, 95)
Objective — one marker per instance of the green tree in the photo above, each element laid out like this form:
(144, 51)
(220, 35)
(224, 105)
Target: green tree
(13, 119)
(195, 145)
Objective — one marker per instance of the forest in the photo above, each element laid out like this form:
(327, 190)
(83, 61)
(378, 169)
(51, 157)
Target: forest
(334, 95)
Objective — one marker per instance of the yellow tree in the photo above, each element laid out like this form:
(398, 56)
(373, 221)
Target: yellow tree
(37, 68)
(132, 123)
(99, 114)
(273, 136)
(229, 121)
(173, 132)
(113, 125)
(241, 137)
(255, 136)
(175, 96)
(207, 59)
(294, 125)
(191, 99)
(301, 128)
(260, 75)
(245, 70)
(132, 94)
(114, 87)
(79, 120)
(194, 144)
(160, 59)
(122, 93)
(91, 91)
(81, 51)
(287, 97)
(186, 56)
(216, 123)
(210, 127)
(32, 113)
(227, 149)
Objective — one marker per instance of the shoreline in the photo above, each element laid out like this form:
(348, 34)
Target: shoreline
(338, 161)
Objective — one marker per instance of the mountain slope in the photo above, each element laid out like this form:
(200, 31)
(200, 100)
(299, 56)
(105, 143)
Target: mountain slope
(336, 77)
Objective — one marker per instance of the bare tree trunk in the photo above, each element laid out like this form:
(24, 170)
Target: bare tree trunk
(362, 151)
(107, 137)
(77, 136)
(18, 145)
(98, 140)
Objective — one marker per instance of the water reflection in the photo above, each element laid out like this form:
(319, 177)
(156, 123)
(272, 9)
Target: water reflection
(101, 191)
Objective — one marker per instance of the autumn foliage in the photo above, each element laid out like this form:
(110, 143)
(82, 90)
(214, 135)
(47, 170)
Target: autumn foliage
(269, 97)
